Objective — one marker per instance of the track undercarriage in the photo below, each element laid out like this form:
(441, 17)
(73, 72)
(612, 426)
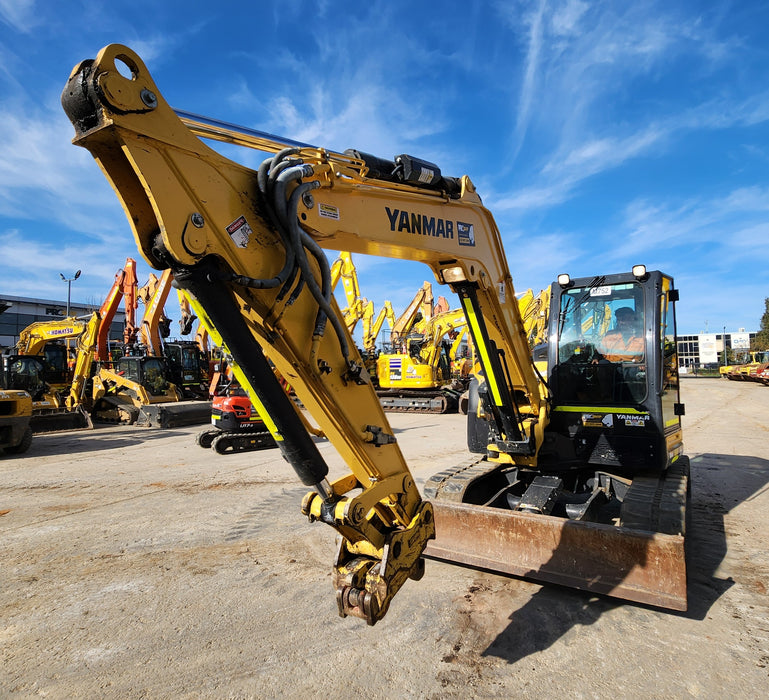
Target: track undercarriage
(419, 400)
(232, 441)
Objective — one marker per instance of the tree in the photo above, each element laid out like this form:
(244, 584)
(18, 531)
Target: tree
(761, 341)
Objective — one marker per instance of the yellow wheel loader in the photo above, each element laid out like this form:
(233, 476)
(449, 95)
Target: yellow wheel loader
(578, 477)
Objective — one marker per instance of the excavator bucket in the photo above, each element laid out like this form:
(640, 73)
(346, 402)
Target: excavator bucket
(175, 414)
(635, 565)
(60, 421)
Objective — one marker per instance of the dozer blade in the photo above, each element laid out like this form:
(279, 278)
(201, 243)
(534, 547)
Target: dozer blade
(60, 421)
(629, 564)
(174, 414)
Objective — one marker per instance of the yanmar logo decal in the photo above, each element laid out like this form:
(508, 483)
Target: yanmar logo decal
(421, 225)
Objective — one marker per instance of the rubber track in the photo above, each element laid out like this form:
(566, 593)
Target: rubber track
(451, 484)
(242, 441)
(658, 504)
(446, 403)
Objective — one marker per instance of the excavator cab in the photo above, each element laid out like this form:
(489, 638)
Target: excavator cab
(188, 367)
(56, 358)
(613, 374)
(27, 373)
(150, 372)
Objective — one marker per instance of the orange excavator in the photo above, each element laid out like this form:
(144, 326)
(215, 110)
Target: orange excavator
(123, 289)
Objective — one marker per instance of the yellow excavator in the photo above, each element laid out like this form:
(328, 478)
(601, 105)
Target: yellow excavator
(373, 326)
(421, 378)
(41, 366)
(421, 307)
(578, 479)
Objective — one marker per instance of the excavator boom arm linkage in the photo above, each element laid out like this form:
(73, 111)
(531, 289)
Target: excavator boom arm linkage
(247, 246)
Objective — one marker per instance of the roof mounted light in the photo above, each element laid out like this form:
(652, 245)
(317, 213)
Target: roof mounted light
(639, 272)
(564, 280)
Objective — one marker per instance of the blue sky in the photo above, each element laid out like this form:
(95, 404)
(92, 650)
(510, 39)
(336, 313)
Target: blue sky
(599, 134)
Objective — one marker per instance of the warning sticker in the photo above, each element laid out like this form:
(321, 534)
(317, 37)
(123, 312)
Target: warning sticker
(598, 420)
(328, 211)
(240, 232)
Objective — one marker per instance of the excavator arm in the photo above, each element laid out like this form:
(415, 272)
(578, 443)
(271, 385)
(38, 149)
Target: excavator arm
(33, 338)
(123, 288)
(154, 294)
(247, 245)
(86, 351)
(421, 303)
(371, 328)
(357, 306)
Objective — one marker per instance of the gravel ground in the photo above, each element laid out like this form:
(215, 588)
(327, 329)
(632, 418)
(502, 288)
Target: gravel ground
(135, 564)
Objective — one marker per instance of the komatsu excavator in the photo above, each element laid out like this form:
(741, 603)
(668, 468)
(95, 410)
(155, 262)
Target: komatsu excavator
(579, 478)
(41, 366)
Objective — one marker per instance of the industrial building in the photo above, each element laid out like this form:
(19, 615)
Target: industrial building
(707, 349)
(16, 313)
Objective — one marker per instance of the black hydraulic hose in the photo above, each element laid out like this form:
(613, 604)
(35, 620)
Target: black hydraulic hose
(321, 295)
(279, 194)
(289, 266)
(267, 163)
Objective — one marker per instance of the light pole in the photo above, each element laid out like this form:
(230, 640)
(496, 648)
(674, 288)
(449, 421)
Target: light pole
(724, 346)
(69, 281)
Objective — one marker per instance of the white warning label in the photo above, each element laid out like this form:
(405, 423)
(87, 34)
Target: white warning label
(328, 211)
(240, 232)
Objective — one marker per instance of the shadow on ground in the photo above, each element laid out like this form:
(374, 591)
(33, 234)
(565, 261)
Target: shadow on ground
(553, 610)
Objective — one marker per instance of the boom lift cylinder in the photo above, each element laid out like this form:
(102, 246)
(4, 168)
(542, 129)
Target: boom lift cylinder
(293, 439)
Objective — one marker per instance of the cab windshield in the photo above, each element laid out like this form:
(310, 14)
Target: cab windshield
(601, 344)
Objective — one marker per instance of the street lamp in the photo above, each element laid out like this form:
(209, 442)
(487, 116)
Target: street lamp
(69, 281)
(724, 346)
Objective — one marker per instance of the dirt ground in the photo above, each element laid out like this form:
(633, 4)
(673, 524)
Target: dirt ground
(135, 564)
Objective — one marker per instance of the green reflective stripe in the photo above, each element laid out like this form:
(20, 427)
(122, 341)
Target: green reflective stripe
(260, 409)
(480, 346)
(599, 409)
(672, 421)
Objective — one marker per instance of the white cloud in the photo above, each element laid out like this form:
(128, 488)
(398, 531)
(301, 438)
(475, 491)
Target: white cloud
(35, 264)
(44, 177)
(20, 14)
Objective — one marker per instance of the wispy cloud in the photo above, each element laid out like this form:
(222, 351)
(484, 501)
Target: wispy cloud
(21, 15)
(530, 70)
(35, 264)
(581, 76)
(42, 176)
